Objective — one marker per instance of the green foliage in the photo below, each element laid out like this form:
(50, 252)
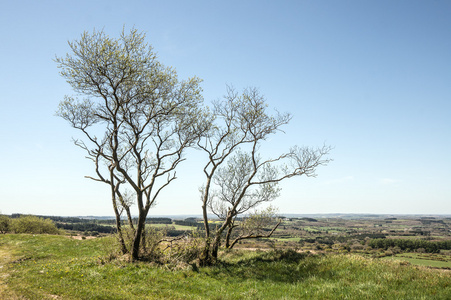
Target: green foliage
(34, 225)
(403, 244)
(4, 224)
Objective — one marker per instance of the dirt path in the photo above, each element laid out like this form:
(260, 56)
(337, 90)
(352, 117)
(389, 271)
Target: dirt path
(5, 258)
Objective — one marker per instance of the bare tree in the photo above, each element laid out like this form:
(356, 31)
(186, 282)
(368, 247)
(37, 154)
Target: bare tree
(246, 180)
(137, 117)
(232, 121)
(230, 182)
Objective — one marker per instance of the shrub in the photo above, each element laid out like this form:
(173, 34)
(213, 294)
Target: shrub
(184, 251)
(157, 247)
(4, 224)
(34, 225)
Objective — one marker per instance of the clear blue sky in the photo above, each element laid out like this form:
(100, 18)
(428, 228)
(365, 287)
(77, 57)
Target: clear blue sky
(371, 78)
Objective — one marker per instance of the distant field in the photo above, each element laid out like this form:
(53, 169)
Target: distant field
(177, 227)
(286, 239)
(423, 260)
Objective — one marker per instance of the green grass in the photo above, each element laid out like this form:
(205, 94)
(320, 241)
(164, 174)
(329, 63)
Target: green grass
(285, 239)
(423, 260)
(43, 267)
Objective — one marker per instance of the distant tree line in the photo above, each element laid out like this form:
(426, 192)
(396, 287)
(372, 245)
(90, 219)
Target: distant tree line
(431, 221)
(21, 223)
(87, 227)
(309, 219)
(159, 221)
(95, 220)
(404, 244)
(64, 219)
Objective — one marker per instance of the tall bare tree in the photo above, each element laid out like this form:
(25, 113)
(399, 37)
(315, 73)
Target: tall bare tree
(136, 116)
(241, 124)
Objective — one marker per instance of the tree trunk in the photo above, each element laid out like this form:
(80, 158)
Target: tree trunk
(229, 234)
(119, 233)
(217, 239)
(215, 246)
(138, 234)
(204, 208)
(205, 258)
(129, 217)
(118, 220)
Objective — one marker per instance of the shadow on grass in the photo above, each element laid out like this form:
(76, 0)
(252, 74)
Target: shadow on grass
(287, 266)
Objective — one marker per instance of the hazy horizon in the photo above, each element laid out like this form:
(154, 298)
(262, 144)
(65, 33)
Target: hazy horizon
(287, 215)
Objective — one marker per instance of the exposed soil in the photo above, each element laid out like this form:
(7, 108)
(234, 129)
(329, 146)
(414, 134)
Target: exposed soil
(5, 258)
(80, 237)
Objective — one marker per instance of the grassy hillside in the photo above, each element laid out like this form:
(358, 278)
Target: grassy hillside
(57, 267)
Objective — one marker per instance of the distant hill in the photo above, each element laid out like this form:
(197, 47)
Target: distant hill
(315, 216)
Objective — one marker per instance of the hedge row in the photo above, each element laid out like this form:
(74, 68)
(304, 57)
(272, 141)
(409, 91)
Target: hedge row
(404, 244)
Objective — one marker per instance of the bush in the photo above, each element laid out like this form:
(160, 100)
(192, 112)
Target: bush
(177, 252)
(4, 224)
(157, 247)
(34, 225)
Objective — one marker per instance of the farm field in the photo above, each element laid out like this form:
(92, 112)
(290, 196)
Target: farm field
(59, 267)
(429, 260)
(356, 234)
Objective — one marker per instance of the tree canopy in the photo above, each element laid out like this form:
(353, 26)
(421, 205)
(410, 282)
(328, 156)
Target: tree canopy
(136, 115)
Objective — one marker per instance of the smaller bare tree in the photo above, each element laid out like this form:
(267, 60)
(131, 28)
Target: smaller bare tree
(248, 181)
